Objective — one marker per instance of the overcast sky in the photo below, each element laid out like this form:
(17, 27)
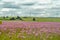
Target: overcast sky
(36, 8)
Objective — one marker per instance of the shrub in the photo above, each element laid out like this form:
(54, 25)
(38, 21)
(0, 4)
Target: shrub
(12, 18)
(3, 17)
(0, 22)
(34, 19)
(7, 17)
(25, 17)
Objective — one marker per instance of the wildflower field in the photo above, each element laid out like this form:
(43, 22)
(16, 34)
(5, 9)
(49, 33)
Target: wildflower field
(21, 30)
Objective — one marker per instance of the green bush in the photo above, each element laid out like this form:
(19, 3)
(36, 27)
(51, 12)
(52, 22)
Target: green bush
(0, 22)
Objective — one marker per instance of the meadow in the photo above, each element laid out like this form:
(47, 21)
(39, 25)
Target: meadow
(37, 19)
(24, 30)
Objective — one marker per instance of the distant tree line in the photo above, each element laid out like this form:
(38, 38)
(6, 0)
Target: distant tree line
(17, 18)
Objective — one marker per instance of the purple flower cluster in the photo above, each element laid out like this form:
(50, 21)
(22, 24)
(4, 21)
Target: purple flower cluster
(25, 29)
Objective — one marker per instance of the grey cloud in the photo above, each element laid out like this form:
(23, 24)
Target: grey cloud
(28, 4)
(10, 5)
(0, 0)
(53, 12)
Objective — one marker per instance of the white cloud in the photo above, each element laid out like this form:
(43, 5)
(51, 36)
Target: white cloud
(6, 9)
(1, 3)
(7, 0)
(44, 1)
(45, 15)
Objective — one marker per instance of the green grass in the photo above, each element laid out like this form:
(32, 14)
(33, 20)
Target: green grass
(42, 19)
(48, 19)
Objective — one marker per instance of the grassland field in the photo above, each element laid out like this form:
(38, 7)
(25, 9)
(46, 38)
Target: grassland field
(37, 19)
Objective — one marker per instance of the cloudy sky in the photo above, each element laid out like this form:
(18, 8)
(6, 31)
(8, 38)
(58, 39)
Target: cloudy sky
(32, 8)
